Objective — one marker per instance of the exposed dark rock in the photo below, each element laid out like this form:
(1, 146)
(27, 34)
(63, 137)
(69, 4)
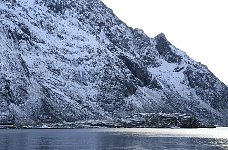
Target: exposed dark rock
(140, 73)
(5, 91)
(205, 83)
(163, 47)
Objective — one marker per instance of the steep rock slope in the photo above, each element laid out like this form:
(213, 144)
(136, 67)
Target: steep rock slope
(75, 60)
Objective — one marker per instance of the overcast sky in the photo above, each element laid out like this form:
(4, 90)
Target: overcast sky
(198, 27)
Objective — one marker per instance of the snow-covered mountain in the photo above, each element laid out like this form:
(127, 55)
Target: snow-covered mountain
(70, 60)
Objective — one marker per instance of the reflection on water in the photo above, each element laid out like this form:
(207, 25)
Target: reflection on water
(112, 139)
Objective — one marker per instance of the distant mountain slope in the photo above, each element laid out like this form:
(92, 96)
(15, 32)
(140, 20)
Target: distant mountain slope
(66, 60)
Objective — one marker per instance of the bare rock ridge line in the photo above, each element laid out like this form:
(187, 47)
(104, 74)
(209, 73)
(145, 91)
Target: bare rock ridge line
(64, 61)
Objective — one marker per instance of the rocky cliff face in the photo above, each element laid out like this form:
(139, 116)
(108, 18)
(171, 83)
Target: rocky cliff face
(66, 60)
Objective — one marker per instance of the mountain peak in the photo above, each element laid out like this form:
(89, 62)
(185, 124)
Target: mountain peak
(161, 35)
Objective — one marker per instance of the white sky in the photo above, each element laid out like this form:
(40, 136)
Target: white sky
(198, 27)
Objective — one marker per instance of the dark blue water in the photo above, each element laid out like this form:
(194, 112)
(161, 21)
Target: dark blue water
(114, 139)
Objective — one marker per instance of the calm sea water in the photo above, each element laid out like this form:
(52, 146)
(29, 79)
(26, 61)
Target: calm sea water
(114, 139)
